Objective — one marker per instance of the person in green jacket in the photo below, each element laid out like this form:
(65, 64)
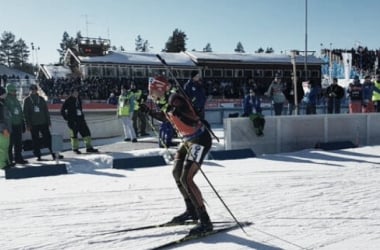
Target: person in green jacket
(37, 119)
(17, 123)
(376, 93)
(125, 109)
(5, 128)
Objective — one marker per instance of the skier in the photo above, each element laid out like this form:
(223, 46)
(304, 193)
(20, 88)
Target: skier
(190, 154)
(72, 112)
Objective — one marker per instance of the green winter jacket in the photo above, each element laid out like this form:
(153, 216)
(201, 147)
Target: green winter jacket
(15, 110)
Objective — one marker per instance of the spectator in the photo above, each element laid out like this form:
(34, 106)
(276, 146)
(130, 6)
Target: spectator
(5, 127)
(251, 104)
(310, 98)
(126, 106)
(289, 94)
(17, 124)
(334, 94)
(376, 93)
(37, 119)
(196, 93)
(72, 112)
(112, 99)
(275, 91)
(367, 95)
(355, 94)
(138, 118)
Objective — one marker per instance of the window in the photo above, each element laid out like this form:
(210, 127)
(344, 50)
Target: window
(258, 73)
(139, 71)
(248, 73)
(217, 73)
(207, 73)
(239, 73)
(228, 73)
(268, 73)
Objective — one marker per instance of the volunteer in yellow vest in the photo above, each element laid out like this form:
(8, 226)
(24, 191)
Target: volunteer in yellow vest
(139, 118)
(376, 93)
(125, 109)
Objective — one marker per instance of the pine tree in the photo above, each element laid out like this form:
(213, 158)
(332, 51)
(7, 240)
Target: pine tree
(259, 50)
(239, 48)
(7, 43)
(67, 42)
(141, 44)
(177, 42)
(207, 48)
(20, 53)
(269, 50)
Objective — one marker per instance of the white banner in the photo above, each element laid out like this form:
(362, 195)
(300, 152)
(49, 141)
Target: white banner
(347, 62)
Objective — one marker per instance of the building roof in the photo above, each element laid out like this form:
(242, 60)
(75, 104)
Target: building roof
(9, 72)
(140, 58)
(244, 58)
(55, 71)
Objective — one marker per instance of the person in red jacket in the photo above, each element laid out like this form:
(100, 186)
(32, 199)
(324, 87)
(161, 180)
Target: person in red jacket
(196, 142)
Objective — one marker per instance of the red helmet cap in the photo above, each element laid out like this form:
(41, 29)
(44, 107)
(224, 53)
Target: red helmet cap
(159, 84)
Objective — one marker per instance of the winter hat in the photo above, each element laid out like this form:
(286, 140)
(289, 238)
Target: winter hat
(194, 73)
(159, 83)
(33, 87)
(2, 91)
(11, 88)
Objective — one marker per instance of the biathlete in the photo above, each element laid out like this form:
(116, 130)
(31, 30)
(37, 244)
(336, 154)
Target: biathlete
(190, 154)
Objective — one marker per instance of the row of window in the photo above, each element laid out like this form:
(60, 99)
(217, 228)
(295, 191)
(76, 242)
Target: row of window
(184, 73)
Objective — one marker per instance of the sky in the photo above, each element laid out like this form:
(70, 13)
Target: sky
(279, 24)
(309, 199)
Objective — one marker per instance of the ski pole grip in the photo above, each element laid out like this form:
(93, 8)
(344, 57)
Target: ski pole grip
(161, 59)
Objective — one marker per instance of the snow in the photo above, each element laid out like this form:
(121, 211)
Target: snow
(309, 199)
(140, 58)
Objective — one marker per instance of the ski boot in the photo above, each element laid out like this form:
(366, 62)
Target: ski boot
(189, 214)
(203, 227)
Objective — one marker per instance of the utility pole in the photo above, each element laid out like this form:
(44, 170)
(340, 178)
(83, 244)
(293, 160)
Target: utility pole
(293, 60)
(305, 63)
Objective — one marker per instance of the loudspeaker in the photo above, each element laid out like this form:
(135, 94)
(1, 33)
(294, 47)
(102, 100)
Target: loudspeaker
(232, 154)
(35, 171)
(139, 162)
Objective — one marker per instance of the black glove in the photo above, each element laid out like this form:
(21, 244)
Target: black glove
(144, 108)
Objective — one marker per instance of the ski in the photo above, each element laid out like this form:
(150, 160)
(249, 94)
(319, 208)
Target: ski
(189, 238)
(166, 224)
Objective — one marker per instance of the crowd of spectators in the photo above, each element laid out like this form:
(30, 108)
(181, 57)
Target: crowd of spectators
(101, 88)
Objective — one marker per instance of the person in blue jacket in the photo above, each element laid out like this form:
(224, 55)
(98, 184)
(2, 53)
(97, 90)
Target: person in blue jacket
(196, 93)
(310, 99)
(251, 103)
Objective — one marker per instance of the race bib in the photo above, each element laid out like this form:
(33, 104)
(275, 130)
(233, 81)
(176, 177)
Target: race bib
(195, 153)
(79, 112)
(36, 109)
(16, 112)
